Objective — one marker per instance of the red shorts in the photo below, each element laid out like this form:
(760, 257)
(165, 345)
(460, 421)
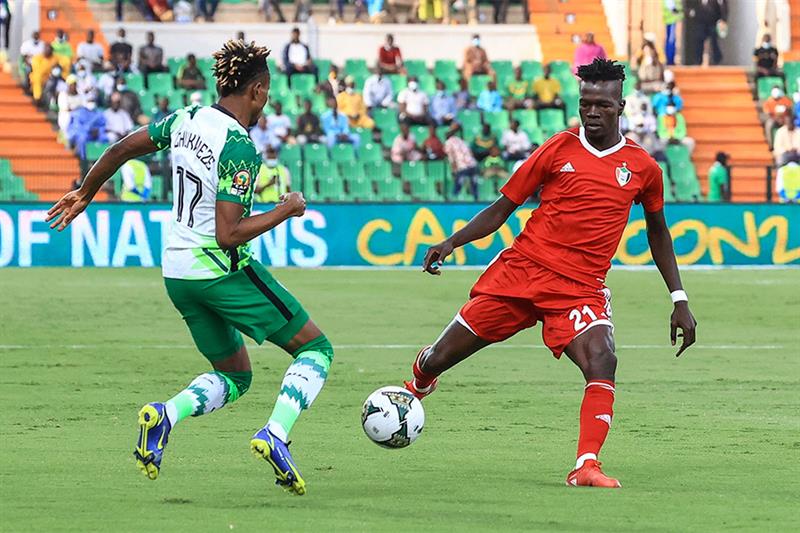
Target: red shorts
(514, 293)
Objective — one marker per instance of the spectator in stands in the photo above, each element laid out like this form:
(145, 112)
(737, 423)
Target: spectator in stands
(130, 102)
(413, 104)
(260, 135)
(136, 182)
(462, 97)
(378, 92)
(53, 86)
(151, 56)
(41, 68)
(404, 148)
(390, 59)
(332, 85)
(516, 142)
(468, 7)
(787, 179)
(297, 57)
(5, 24)
(335, 127)
(308, 128)
(462, 162)
(787, 139)
(493, 167)
(672, 12)
(547, 91)
(519, 91)
(266, 7)
(29, 48)
(189, 76)
(61, 45)
(274, 179)
(766, 58)
(118, 121)
(206, 9)
(500, 11)
(141, 5)
(672, 128)
(85, 81)
(775, 107)
(637, 103)
(120, 52)
(669, 96)
(351, 104)
(443, 105)
(483, 142)
(587, 51)
(796, 98)
(429, 10)
(719, 179)
(162, 109)
(279, 126)
(475, 59)
(709, 20)
(649, 67)
(433, 147)
(90, 53)
(68, 101)
(86, 124)
(489, 99)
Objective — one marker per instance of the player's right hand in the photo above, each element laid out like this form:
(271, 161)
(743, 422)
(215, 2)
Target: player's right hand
(295, 203)
(65, 210)
(435, 256)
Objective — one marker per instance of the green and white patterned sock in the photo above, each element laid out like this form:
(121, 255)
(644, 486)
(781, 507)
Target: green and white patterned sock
(206, 393)
(301, 385)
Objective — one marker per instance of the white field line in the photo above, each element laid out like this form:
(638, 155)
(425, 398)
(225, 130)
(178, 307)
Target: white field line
(382, 346)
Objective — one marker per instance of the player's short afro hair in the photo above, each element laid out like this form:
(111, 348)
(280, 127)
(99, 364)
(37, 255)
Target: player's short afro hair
(237, 63)
(602, 70)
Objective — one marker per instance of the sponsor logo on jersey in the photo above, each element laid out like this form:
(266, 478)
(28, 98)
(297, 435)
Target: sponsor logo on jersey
(241, 182)
(623, 175)
(567, 167)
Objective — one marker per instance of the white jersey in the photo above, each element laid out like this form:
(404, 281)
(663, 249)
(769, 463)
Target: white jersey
(213, 159)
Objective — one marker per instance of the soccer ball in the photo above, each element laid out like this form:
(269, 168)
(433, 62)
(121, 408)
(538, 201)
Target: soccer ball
(392, 417)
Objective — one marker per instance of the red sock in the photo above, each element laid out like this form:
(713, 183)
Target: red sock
(596, 412)
(422, 380)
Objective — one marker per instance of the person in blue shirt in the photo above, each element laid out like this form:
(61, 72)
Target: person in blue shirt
(443, 105)
(335, 127)
(87, 123)
(667, 97)
(489, 99)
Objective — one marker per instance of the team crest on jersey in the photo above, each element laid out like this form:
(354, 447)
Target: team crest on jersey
(623, 175)
(241, 182)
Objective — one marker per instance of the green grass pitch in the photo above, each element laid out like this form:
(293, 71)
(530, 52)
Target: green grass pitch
(707, 442)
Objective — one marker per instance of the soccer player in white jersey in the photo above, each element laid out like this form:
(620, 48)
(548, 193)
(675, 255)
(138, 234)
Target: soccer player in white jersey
(210, 275)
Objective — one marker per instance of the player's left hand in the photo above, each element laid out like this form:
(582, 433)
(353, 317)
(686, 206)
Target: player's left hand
(65, 210)
(682, 319)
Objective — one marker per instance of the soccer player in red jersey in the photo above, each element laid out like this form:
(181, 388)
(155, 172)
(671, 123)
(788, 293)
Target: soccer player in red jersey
(555, 270)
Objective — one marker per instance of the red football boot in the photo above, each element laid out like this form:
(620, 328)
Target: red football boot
(421, 393)
(590, 475)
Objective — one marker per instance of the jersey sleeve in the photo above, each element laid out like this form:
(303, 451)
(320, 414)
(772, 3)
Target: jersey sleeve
(160, 131)
(652, 194)
(237, 169)
(533, 172)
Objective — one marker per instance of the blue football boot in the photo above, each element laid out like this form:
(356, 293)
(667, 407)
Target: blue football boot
(269, 447)
(154, 428)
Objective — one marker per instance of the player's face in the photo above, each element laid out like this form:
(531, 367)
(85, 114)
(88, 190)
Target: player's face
(600, 106)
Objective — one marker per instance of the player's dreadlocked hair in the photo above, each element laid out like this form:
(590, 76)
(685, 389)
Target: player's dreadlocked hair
(237, 63)
(602, 70)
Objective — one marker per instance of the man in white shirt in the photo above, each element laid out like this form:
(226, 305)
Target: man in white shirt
(32, 47)
(118, 121)
(413, 104)
(516, 142)
(378, 91)
(90, 53)
(278, 126)
(297, 57)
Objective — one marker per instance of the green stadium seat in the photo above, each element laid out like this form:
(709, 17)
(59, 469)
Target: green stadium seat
(331, 189)
(385, 118)
(412, 171)
(364, 134)
(94, 150)
(487, 191)
(791, 70)
(470, 121)
(361, 189)
(687, 186)
(370, 152)
(157, 191)
(427, 84)
(388, 134)
(135, 82)
(354, 67)
(446, 69)
(303, 84)
(420, 133)
(205, 64)
(425, 190)
(498, 120)
(527, 118)
(766, 84)
(5, 168)
(342, 152)
(323, 67)
(278, 85)
(415, 67)
(560, 69)
(677, 153)
(531, 70)
(178, 99)
(503, 70)
(571, 105)
(148, 101)
(290, 154)
(535, 135)
(391, 190)
(441, 132)
(477, 83)
(551, 120)
(668, 187)
(313, 152)
(378, 170)
(159, 82)
(399, 82)
(174, 64)
(438, 170)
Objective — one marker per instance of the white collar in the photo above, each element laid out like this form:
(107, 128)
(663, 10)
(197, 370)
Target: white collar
(600, 153)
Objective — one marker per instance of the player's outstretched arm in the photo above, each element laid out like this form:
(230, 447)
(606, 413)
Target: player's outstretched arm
(73, 203)
(484, 223)
(664, 257)
(233, 230)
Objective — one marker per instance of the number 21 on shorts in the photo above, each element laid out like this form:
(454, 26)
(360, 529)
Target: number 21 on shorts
(583, 316)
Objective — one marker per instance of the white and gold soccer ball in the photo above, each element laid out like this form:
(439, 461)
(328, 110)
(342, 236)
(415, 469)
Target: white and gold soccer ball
(392, 417)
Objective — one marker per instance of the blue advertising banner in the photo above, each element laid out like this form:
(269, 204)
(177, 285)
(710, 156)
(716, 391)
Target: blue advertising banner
(389, 235)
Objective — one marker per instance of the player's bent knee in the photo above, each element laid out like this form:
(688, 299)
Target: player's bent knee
(602, 363)
(238, 384)
(321, 346)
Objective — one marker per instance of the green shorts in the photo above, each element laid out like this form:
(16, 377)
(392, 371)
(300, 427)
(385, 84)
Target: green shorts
(249, 301)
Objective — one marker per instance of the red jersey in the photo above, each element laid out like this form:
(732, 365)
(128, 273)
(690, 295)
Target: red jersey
(390, 56)
(586, 200)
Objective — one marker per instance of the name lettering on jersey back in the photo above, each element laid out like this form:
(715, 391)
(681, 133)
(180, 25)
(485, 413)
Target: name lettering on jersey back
(194, 143)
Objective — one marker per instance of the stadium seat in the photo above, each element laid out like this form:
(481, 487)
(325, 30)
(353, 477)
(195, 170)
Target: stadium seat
(677, 153)
(354, 67)
(385, 118)
(391, 190)
(159, 82)
(560, 69)
(504, 71)
(361, 189)
(364, 134)
(378, 170)
(427, 84)
(399, 82)
(94, 150)
(278, 85)
(331, 189)
(446, 69)
(415, 67)
(441, 132)
(437, 170)
(531, 70)
(370, 152)
(135, 82)
(148, 101)
(313, 152)
(477, 83)
(420, 133)
(791, 69)
(388, 134)
(571, 105)
(302, 84)
(668, 187)
(412, 171)
(687, 186)
(470, 120)
(157, 191)
(290, 154)
(551, 120)
(527, 118)
(766, 84)
(342, 152)
(205, 64)
(178, 99)
(487, 192)
(424, 190)
(174, 64)
(323, 67)
(498, 120)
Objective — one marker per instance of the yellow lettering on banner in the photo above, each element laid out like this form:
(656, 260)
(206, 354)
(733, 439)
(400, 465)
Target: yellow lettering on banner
(364, 236)
(631, 230)
(780, 254)
(749, 248)
(680, 229)
(522, 216)
(505, 233)
(424, 230)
